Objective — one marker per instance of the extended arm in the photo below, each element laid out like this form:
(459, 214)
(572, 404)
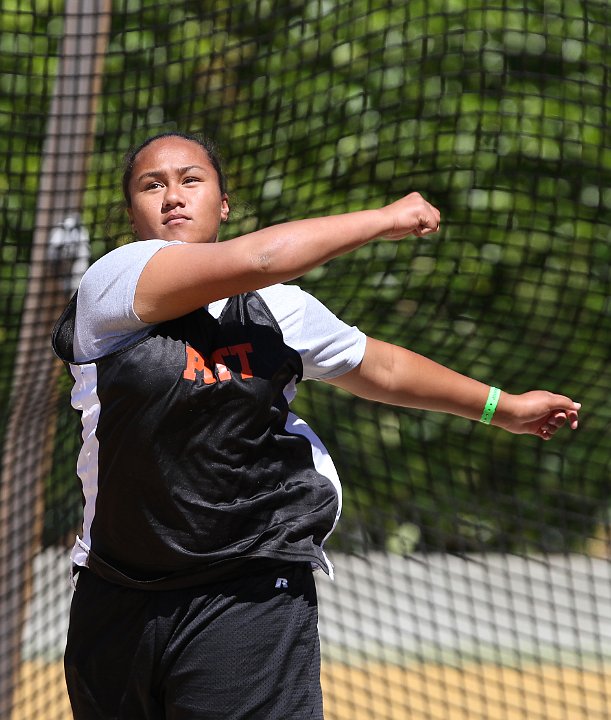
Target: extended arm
(181, 278)
(397, 376)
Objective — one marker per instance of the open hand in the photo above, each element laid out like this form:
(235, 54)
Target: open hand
(537, 412)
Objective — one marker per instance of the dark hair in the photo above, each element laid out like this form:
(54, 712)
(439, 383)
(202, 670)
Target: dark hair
(204, 142)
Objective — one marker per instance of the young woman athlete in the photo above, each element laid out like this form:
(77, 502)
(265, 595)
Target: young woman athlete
(206, 501)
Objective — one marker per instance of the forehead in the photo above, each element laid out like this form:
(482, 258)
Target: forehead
(171, 152)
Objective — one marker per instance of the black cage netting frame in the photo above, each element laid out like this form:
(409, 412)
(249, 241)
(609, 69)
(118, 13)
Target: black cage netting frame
(473, 574)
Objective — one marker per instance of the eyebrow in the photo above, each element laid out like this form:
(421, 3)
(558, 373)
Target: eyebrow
(181, 171)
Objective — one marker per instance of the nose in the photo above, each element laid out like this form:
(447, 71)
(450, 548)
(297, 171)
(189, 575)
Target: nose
(173, 196)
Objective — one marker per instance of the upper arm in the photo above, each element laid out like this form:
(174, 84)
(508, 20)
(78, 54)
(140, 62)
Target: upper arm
(182, 278)
(372, 378)
(105, 318)
(327, 345)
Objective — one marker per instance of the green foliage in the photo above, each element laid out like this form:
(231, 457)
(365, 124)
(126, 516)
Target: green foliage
(495, 113)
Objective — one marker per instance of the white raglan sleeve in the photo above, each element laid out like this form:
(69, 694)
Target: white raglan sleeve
(105, 316)
(327, 345)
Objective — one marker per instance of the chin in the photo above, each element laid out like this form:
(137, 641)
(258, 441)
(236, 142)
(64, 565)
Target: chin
(187, 234)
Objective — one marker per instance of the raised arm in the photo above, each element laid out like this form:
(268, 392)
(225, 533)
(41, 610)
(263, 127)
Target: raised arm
(181, 278)
(397, 376)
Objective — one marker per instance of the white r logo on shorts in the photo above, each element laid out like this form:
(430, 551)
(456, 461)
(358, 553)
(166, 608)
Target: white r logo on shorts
(282, 583)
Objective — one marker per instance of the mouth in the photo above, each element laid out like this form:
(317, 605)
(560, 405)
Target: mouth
(175, 219)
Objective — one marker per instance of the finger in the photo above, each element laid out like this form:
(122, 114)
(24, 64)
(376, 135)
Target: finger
(554, 422)
(428, 225)
(425, 231)
(570, 415)
(557, 419)
(557, 402)
(544, 433)
(564, 410)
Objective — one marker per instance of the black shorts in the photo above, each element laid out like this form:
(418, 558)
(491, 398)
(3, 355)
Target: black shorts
(244, 649)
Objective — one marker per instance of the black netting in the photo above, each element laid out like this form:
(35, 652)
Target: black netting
(473, 567)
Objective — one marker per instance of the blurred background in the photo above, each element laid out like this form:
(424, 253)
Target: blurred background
(473, 566)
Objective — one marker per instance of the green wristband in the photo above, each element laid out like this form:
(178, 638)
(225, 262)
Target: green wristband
(491, 403)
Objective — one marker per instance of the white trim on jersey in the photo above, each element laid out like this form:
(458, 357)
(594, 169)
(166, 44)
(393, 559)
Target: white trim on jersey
(323, 465)
(85, 398)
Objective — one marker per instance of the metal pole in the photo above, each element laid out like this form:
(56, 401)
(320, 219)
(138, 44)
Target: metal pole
(27, 453)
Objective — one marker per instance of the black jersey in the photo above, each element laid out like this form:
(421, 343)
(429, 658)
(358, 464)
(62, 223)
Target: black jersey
(193, 462)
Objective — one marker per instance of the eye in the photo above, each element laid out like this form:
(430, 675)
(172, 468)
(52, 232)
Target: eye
(191, 179)
(153, 185)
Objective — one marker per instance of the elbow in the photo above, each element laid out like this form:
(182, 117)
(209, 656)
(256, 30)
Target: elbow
(282, 256)
(263, 262)
(273, 255)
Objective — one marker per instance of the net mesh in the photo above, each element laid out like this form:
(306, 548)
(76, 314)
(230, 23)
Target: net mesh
(473, 568)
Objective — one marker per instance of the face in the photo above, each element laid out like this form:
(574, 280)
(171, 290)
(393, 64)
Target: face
(175, 194)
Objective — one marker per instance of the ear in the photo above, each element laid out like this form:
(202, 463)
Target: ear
(130, 214)
(224, 207)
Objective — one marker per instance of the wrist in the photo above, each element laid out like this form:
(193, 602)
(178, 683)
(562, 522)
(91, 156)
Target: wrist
(505, 412)
(491, 405)
(381, 223)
